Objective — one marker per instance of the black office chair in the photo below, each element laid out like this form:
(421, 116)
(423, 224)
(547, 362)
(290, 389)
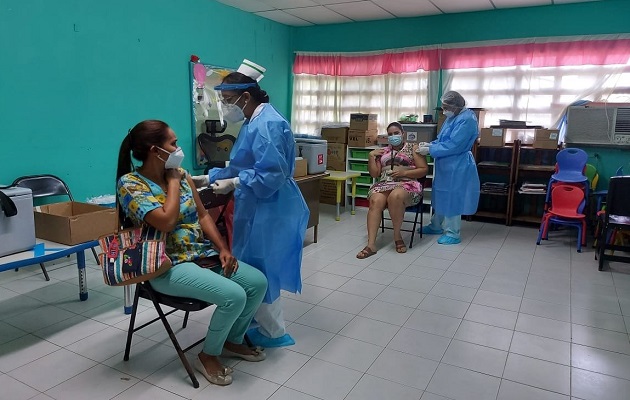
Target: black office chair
(615, 220)
(187, 305)
(417, 209)
(216, 148)
(46, 186)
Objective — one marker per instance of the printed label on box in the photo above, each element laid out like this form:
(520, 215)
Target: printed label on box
(553, 136)
(497, 132)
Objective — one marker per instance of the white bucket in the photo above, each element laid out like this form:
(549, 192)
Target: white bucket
(252, 70)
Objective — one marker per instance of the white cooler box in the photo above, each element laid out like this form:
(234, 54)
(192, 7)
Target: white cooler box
(17, 233)
(315, 151)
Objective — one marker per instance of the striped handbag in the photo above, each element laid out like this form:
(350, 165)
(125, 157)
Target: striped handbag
(133, 255)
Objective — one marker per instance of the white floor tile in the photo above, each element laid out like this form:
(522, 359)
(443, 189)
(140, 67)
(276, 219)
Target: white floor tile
(14, 389)
(597, 319)
(485, 335)
(419, 344)
(370, 330)
(546, 310)
(476, 358)
(589, 385)
(600, 361)
(497, 300)
(374, 388)
(325, 319)
(9, 333)
(324, 380)
(403, 368)
(70, 330)
(516, 391)
(542, 348)
(387, 312)
(362, 288)
(22, 351)
(91, 381)
(407, 298)
(544, 327)
(462, 384)
(146, 357)
(308, 340)
(347, 270)
(538, 373)
(146, 391)
(444, 306)
(39, 318)
(491, 316)
(421, 285)
(326, 280)
(278, 367)
(433, 323)
(310, 294)
(454, 292)
(245, 386)
(350, 353)
(44, 373)
(601, 339)
(294, 309)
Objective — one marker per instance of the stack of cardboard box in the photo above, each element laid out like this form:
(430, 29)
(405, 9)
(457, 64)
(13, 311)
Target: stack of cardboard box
(337, 137)
(363, 130)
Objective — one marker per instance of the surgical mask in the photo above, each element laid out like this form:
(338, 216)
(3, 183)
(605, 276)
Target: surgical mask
(395, 140)
(233, 113)
(449, 113)
(174, 159)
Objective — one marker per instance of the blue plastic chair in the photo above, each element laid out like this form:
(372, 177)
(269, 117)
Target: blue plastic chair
(570, 166)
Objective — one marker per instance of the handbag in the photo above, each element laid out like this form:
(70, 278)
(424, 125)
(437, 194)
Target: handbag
(133, 255)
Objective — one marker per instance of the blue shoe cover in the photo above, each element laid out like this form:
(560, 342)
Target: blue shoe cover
(258, 339)
(427, 230)
(448, 240)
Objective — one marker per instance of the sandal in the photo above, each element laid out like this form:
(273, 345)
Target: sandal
(400, 246)
(259, 354)
(365, 253)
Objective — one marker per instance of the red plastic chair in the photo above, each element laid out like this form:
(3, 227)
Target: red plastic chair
(566, 204)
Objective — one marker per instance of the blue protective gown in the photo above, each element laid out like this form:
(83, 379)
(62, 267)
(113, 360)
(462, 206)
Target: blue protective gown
(270, 214)
(456, 182)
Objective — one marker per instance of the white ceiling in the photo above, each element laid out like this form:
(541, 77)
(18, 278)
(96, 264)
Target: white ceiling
(320, 12)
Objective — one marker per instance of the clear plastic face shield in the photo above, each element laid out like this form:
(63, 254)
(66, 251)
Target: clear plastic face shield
(226, 103)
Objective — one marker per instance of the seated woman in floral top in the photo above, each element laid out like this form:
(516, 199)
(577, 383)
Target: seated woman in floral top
(398, 168)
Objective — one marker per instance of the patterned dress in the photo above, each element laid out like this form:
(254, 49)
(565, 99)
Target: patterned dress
(139, 195)
(385, 183)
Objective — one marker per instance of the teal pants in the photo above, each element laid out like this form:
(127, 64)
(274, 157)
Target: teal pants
(451, 225)
(236, 298)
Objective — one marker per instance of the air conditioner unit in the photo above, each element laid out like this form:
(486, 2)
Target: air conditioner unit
(599, 123)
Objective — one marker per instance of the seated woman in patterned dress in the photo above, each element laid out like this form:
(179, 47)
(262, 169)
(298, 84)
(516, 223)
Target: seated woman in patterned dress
(397, 168)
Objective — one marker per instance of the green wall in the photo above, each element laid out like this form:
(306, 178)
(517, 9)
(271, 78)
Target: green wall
(76, 75)
(600, 17)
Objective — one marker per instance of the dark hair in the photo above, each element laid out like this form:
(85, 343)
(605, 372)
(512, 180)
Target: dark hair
(137, 143)
(256, 92)
(397, 125)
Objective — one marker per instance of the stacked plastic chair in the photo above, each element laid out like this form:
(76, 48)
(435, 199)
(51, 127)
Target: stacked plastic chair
(567, 192)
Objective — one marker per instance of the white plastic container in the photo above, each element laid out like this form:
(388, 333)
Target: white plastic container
(315, 151)
(17, 233)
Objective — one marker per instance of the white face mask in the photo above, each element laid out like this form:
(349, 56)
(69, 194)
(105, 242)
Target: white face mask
(174, 159)
(233, 113)
(449, 113)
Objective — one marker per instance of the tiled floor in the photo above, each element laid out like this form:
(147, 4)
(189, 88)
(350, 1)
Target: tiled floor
(495, 317)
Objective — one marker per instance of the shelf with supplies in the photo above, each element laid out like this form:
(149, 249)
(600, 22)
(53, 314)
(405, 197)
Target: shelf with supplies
(357, 161)
(535, 167)
(513, 180)
(495, 166)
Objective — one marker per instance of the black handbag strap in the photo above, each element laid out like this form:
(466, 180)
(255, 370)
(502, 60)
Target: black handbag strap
(7, 205)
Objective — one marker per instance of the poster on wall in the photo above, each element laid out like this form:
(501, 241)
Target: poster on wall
(216, 138)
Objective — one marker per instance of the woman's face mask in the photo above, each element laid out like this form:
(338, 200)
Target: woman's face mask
(395, 140)
(449, 113)
(174, 159)
(233, 113)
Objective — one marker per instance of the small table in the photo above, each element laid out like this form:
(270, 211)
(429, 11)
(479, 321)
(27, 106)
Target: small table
(310, 187)
(340, 177)
(46, 250)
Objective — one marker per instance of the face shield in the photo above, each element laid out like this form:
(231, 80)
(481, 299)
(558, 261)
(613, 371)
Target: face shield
(224, 102)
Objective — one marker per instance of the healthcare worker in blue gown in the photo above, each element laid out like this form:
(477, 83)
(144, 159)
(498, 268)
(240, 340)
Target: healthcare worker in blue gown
(270, 214)
(455, 189)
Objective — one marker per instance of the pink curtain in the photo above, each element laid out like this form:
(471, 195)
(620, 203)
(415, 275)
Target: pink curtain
(552, 54)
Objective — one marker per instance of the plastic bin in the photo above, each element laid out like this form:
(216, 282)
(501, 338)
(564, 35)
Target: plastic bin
(362, 191)
(314, 151)
(359, 153)
(358, 166)
(364, 179)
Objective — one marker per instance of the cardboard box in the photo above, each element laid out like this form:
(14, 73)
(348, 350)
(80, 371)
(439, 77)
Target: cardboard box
(72, 222)
(300, 167)
(362, 138)
(363, 122)
(337, 151)
(492, 137)
(336, 165)
(328, 193)
(545, 139)
(335, 135)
